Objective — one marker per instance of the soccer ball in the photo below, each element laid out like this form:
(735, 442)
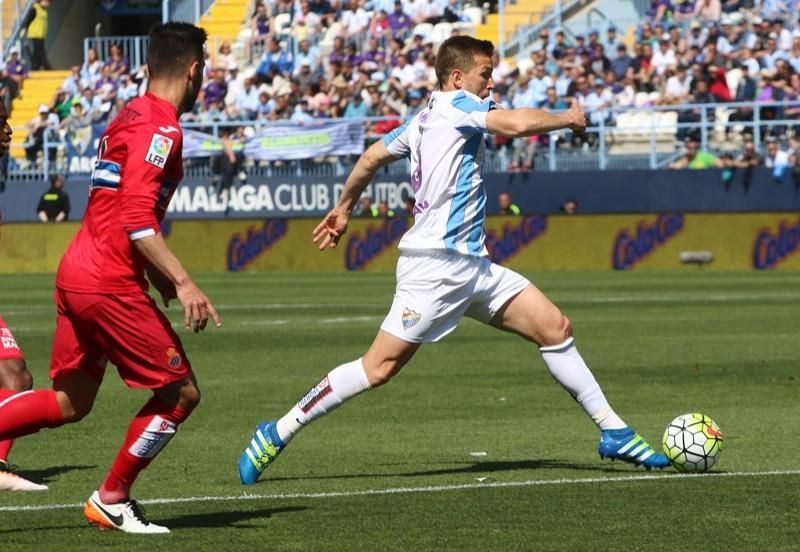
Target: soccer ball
(693, 443)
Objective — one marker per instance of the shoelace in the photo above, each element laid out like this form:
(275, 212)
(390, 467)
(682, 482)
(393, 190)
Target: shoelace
(138, 512)
(6, 467)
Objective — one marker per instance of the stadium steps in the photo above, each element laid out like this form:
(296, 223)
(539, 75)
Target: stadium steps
(224, 20)
(38, 88)
(522, 13)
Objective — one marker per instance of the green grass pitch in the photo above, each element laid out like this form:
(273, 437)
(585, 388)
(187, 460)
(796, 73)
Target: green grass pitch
(484, 450)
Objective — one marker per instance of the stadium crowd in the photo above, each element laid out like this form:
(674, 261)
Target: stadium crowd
(357, 58)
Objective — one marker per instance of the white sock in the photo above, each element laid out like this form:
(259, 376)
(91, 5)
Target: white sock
(570, 371)
(340, 385)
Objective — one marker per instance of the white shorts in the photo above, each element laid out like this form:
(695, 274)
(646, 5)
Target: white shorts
(435, 289)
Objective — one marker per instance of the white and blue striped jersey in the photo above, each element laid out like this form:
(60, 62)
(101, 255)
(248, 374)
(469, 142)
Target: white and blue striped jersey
(445, 144)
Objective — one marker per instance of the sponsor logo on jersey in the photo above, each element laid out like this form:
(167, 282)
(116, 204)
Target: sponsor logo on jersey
(167, 129)
(361, 250)
(631, 248)
(514, 237)
(7, 339)
(160, 147)
(315, 394)
(244, 249)
(770, 249)
(410, 318)
(173, 357)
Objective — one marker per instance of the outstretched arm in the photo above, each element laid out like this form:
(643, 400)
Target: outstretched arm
(334, 225)
(516, 123)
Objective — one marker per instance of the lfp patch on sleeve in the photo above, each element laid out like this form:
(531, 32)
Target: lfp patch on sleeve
(160, 147)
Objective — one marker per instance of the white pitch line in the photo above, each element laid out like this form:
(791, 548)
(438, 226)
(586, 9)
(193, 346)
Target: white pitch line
(415, 490)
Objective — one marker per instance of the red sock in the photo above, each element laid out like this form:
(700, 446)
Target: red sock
(5, 446)
(150, 430)
(28, 412)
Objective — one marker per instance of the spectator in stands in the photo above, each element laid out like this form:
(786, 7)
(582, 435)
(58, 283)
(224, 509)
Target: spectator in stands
(507, 207)
(775, 157)
(15, 69)
(54, 203)
(708, 10)
(612, 41)
(90, 70)
(569, 207)
(225, 57)
(43, 124)
(128, 89)
(282, 109)
(260, 24)
(399, 21)
(772, 53)
(658, 10)
(379, 26)
(355, 18)
(78, 117)
(357, 108)
(247, 97)
(453, 13)
(664, 56)
(72, 82)
(695, 158)
(118, 63)
(747, 160)
(384, 211)
(621, 62)
(678, 86)
(35, 25)
(216, 89)
(275, 59)
(228, 163)
(61, 104)
(719, 85)
(366, 208)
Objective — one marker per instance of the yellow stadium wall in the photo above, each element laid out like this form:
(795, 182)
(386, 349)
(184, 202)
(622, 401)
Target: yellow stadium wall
(532, 243)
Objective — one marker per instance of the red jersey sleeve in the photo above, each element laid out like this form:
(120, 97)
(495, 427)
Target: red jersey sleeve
(153, 169)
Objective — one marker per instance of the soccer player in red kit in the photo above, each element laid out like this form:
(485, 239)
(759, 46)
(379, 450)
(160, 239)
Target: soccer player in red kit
(14, 375)
(103, 310)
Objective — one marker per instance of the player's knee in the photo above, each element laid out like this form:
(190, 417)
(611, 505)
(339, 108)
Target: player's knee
(557, 332)
(190, 397)
(72, 410)
(14, 375)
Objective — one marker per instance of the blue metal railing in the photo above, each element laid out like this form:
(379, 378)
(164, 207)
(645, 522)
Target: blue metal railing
(133, 47)
(14, 37)
(188, 11)
(656, 142)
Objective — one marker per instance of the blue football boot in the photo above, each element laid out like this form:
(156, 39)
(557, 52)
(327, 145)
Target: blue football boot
(264, 447)
(627, 445)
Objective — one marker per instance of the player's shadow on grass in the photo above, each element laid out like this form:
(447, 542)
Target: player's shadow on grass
(477, 468)
(227, 519)
(47, 475)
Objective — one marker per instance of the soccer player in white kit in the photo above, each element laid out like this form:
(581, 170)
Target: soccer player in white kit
(443, 272)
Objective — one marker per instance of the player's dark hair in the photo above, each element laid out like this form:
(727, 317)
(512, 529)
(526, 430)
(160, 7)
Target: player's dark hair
(174, 46)
(458, 52)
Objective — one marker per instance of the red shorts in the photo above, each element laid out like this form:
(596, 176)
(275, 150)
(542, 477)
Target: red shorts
(9, 350)
(127, 329)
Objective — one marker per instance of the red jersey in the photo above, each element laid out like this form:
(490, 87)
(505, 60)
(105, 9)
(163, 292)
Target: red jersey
(138, 168)
(8, 345)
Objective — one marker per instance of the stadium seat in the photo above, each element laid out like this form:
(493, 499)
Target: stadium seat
(283, 23)
(441, 31)
(525, 65)
(474, 14)
(424, 29)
